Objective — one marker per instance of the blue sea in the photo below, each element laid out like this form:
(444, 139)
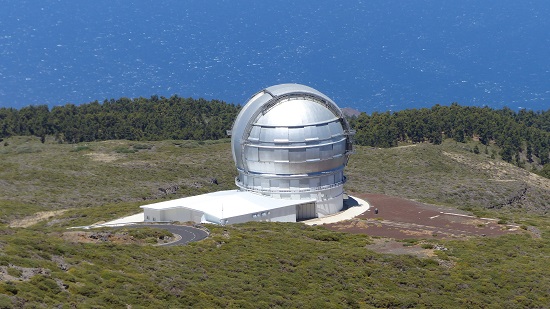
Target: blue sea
(374, 55)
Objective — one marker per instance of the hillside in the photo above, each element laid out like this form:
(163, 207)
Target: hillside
(257, 265)
(523, 138)
(448, 174)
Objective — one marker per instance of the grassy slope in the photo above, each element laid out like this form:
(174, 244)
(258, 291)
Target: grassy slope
(448, 174)
(259, 265)
(37, 176)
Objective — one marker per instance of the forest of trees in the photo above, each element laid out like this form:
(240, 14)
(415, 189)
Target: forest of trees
(514, 133)
(138, 119)
(160, 118)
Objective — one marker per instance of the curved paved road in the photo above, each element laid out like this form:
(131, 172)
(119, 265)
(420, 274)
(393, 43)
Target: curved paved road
(187, 233)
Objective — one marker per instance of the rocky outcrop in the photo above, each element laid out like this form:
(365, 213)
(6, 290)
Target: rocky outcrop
(170, 189)
(514, 201)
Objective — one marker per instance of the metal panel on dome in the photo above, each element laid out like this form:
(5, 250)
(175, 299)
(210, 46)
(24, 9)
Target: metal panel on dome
(335, 128)
(323, 131)
(310, 133)
(295, 184)
(284, 183)
(241, 123)
(255, 133)
(296, 134)
(252, 154)
(314, 182)
(326, 152)
(281, 154)
(340, 147)
(297, 155)
(281, 135)
(266, 134)
(265, 155)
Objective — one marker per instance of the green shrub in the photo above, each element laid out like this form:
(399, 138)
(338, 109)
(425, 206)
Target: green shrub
(125, 150)
(410, 241)
(5, 302)
(427, 246)
(326, 236)
(442, 255)
(144, 233)
(8, 288)
(142, 146)
(14, 272)
(27, 149)
(45, 284)
(81, 148)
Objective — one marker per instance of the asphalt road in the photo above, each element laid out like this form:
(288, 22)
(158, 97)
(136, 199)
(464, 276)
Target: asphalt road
(187, 233)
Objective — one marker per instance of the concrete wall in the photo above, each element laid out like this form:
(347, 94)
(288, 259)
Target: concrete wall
(152, 215)
(330, 206)
(182, 214)
(282, 214)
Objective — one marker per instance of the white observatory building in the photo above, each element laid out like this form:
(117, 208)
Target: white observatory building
(290, 145)
(292, 142)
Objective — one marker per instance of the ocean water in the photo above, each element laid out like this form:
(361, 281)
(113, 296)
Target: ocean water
(369, 55)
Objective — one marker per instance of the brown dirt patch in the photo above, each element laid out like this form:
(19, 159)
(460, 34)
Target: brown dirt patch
(103, 157)
(37, 217)
(386, 245)
(101, 237)
(91, 237)
(501, 171)
(400, 218)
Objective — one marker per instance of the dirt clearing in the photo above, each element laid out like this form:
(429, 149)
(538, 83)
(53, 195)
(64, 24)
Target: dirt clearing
(37, 217)
(400, 218)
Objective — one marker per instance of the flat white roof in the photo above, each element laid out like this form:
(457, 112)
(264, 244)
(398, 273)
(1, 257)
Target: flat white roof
(226, 204)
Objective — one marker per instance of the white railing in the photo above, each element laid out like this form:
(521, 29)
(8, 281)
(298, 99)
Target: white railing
(282, 190)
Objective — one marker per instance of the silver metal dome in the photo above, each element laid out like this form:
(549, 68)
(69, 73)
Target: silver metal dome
(290, 141)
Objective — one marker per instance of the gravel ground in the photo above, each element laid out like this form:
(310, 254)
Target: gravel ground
(400, 218)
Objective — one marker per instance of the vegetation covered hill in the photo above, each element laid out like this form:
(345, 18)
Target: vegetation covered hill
(137, 119)
(523, 138)
(37, 176)
(260, 265)
(448, 174)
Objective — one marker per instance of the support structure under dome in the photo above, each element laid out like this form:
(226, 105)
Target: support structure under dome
(292, 142)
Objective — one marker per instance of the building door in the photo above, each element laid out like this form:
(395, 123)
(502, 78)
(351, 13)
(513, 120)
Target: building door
(305, 211)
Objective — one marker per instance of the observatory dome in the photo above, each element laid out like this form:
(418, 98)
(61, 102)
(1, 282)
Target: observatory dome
(291, 141)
